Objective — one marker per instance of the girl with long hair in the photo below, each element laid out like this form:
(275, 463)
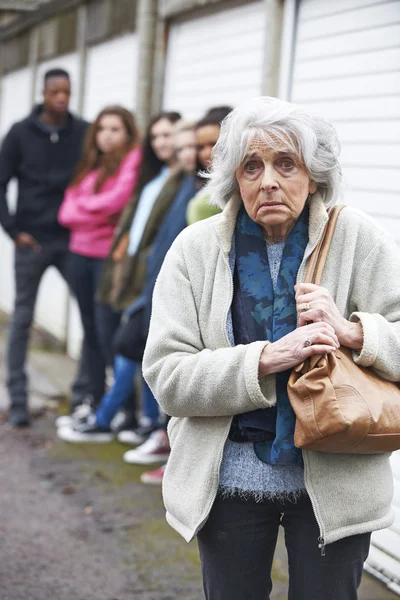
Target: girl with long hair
(207, 134)
(124, 274)
(102, 187)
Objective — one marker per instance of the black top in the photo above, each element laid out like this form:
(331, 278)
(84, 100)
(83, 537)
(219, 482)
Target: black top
(43, 160)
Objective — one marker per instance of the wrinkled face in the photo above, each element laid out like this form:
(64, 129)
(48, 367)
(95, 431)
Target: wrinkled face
(161, 140)
(111, 134)
(207, 137)
(274, 185)
(185, 149)
(56, 94)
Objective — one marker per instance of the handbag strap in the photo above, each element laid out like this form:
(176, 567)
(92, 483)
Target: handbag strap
(320, 253)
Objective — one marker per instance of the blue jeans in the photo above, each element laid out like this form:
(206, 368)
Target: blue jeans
(123, 389)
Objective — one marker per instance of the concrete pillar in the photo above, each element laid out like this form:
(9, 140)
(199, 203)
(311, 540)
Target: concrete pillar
(146, 27)
(33, 59)
(288, 44)
(159, 65)
(81, 48)
(272, 52)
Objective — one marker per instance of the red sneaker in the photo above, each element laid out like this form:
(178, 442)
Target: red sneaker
(153, 477)
(155, 449)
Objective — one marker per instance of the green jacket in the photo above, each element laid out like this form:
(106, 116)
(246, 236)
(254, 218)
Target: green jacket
(122, 281)
(199, 208)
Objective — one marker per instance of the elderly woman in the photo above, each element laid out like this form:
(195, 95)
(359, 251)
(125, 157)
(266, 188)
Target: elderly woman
(231, 318)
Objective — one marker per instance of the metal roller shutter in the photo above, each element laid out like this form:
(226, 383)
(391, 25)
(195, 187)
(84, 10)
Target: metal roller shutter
(111, 73)
(15, 105)
(347, 68)
(215, 59)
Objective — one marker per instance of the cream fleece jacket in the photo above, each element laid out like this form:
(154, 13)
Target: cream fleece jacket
(202, 382)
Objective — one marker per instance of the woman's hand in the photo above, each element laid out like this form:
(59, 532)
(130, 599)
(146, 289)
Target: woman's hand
(294, 348)
(315, 304)
(122, 248)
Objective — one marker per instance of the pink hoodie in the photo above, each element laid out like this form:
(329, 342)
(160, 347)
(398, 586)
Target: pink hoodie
(92, 217)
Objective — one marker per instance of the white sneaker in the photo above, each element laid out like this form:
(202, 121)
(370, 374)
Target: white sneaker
(155, 449)
(86, 431)
(81, 412)
(137, 436)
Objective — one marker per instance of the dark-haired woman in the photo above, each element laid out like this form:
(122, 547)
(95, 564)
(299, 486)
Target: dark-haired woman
(207, 134)
(123, 275)
(101, 189)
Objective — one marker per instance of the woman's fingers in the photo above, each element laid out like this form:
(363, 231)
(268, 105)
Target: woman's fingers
(305, 288)
(315, 315)
(318, 349)
(319, 332)
(327, 340)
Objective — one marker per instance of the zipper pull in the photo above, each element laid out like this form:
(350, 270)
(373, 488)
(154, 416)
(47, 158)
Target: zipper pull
(321, 545)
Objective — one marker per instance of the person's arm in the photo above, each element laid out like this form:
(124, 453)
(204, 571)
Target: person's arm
(71, 214)
(113, 201)
(188, 379)
(9, 160)
(376, 295)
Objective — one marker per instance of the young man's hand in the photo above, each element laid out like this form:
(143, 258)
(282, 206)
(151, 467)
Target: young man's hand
(26, 240)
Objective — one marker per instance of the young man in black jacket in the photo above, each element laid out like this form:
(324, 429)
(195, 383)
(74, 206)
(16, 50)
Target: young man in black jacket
(41, 152)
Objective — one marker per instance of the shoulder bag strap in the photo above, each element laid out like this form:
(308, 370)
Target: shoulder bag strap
(320, 253)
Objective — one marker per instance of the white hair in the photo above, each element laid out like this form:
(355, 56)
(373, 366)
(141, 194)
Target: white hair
(278, 124)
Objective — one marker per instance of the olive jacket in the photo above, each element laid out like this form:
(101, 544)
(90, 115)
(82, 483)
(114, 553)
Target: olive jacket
(122, 280)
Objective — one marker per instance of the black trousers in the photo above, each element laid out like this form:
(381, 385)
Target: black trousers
(237, 546)
(30, 267)
(99, 321)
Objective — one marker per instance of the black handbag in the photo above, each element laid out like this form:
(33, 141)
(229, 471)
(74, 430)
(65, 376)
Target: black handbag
(131, 335)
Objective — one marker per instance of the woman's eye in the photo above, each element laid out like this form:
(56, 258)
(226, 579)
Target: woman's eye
(250, 167)
(287, 164)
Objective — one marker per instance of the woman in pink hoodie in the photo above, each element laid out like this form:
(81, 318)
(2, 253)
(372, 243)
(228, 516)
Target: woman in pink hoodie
(103, 185)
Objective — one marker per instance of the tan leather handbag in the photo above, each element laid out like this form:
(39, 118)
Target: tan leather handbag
(339, 406)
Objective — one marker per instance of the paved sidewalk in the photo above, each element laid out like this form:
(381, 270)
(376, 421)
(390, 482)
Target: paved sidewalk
(77, 523)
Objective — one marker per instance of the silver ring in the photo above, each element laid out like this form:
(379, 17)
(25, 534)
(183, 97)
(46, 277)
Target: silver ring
(307, 342)
(306, 307)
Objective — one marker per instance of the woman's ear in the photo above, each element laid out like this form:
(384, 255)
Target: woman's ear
(313, 187)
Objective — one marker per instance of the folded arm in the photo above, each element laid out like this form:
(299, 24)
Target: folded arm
(113, 201)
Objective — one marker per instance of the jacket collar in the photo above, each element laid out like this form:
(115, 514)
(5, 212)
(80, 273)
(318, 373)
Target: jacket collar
(226, 223)
(34, 120)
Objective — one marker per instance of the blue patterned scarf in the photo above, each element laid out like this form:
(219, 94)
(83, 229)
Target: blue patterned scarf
(260, 313)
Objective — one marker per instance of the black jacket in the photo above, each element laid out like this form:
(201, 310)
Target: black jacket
(43, 163)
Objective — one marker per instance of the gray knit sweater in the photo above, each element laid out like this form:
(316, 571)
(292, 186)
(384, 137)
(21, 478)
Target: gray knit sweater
(242, 472)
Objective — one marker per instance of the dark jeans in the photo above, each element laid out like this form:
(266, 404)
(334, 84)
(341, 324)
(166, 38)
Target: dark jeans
(29, 270)
(237, 546)
(99, 321)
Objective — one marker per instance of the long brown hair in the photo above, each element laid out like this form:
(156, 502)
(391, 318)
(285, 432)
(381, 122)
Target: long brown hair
(108, 164)
(151, 165)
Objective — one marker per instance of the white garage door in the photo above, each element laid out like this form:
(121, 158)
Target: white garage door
(15, 105)
(215, 59)
(111, 74)
(347, 68)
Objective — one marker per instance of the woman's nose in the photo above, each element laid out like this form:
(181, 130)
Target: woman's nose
(269, 180)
